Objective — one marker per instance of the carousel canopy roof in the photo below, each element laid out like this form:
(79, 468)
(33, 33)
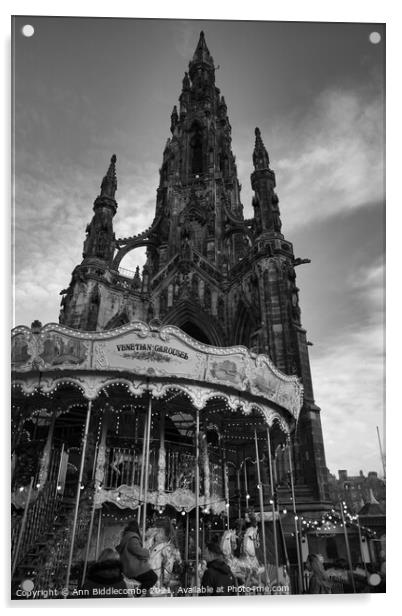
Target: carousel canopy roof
(150, 354)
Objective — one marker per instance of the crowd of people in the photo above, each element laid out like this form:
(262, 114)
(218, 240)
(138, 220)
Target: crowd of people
(128, 565)
(129, 562)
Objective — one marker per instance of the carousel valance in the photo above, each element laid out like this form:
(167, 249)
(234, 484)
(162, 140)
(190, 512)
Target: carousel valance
(153, 352)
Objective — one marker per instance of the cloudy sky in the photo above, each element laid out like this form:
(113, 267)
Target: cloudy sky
(86, 88)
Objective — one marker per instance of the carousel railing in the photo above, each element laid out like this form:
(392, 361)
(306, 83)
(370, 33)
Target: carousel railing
(180, 468)
(123, 467)
(40, 516)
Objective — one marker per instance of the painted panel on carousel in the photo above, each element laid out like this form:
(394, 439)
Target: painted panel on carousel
(49, 347)
(150, 355)
(156, 350)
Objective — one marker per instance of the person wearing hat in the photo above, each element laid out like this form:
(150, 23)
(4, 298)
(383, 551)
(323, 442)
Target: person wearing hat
(134, 558)
(218, 578)
(105, 575)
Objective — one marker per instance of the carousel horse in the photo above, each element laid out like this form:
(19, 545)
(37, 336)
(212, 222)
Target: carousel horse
(228, 545)
(162, 556)
(248, 556)
(246, 568)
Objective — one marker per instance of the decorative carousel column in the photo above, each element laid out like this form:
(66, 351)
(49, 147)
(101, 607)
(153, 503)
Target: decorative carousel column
(197, 495)
(144, 442)
(205, 464)
(146, 468)
(101, 457)
(226, 484)
(162, 459)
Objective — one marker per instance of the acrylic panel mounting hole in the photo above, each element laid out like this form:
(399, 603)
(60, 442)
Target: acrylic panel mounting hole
(28, 30)
(375, 38)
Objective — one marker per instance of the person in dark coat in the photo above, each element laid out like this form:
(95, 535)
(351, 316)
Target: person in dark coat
(105, 575)
(318, 582)
(134, 558)
(218, 578)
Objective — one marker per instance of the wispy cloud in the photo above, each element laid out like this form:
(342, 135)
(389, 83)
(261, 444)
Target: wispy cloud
(328, 161)
(348, 379)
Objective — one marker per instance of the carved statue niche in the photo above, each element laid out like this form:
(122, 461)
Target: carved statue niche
(195, 286)
(257, 216)
(221, 310)
(196, 145)
(207, 297)
(275, 212)
(93, 310)
(254, 290)
(163, 303)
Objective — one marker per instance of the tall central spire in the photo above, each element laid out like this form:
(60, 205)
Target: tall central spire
(201, 54)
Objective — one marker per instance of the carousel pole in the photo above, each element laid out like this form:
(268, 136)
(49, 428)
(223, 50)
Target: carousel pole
(59, 471)
(98, 534)
(96, 484)
(197, 496)
(245, 483)
(186, 546)
(292, 485)
(77, 497)
(144, 440)
(271, 480)
(91, 526)
(22, 527)
(162, 455)
(225, 483)
(238, 492)
(146, 470)
(261, 497)
(345, 532)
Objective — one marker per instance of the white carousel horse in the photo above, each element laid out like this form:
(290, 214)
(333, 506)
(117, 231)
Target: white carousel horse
(162, 556)
(228, 545)
(249, 557)
(246, 568)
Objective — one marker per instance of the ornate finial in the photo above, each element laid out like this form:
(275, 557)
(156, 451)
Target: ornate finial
(186, 81)
(109, 182)
(260, 154)
(201, 53)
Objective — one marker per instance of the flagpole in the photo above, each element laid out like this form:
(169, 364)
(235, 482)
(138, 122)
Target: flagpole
(381, 452)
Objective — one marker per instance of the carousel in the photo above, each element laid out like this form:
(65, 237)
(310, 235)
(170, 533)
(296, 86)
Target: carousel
(144, 422)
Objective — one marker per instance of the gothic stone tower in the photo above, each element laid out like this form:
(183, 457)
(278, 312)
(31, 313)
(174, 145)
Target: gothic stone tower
(223, 279)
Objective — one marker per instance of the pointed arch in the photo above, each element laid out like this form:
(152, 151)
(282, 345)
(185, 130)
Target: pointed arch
(245, 323)
(190, 317)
